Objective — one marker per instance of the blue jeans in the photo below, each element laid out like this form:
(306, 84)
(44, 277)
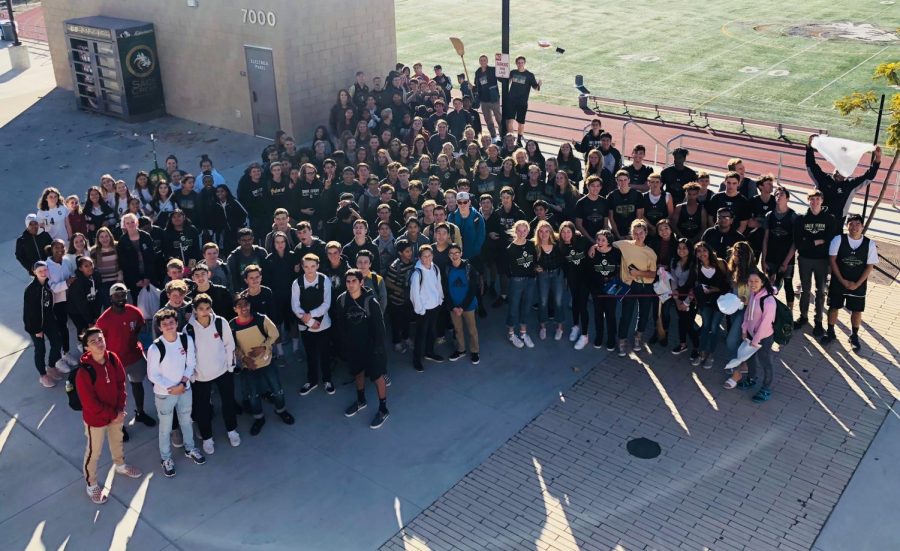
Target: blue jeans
(40, 349)
(709, 333)
(521, 297)
(762, 359)
(262, 380)
(166, 407)
(552, 284)
(643, 305)
(733, 339)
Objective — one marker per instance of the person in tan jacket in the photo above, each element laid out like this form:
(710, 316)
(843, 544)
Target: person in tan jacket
(254, 336)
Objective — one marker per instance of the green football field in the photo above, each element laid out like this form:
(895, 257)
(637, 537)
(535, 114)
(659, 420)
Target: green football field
(766, 59)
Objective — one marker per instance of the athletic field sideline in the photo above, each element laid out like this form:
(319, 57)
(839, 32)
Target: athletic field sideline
(769, 60)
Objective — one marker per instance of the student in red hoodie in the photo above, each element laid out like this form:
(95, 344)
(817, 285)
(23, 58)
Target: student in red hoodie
(101, 388)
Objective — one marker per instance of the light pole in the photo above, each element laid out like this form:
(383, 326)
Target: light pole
(12, 22)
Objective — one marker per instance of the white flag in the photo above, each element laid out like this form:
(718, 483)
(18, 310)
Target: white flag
(843, 154)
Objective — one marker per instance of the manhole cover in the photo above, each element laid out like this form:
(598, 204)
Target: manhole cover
(643, 448)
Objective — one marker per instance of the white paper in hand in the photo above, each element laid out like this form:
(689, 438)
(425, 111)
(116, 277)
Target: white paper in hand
(843, 154)
(745, 350)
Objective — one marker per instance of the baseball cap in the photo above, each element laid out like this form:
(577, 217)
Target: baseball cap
(462, 196)
(118, 288)
(38, 264)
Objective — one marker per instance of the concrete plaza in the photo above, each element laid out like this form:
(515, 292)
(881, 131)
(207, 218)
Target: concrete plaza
(524, 451)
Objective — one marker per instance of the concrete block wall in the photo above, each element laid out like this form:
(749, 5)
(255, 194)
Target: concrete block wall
(317, 49)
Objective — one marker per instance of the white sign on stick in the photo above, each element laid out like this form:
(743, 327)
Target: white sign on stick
(501, 63)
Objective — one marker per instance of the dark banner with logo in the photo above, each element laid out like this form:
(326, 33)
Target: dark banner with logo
(140, 70)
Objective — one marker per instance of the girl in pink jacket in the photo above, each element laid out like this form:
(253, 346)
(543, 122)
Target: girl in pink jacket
(758, 329)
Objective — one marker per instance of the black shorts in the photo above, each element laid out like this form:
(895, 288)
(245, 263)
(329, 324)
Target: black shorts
(839, 297)
(373, 366)
(515, 110)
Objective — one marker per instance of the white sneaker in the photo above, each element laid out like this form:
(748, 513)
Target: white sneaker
(708, 363)
(574, 334)
(234, 438)
(62, 366)
(582, 342)
(516, 341)
(527, 340)
(209, 447)
(559, 334)
(47, 381)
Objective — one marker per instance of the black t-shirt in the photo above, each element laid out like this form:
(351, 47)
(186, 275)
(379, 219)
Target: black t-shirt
(781, 235)
(552, 260)
(263, 303)
(738, 204)
(602, 268)
(759, 208)
(623, 208)
(721, 242)
(592, 212)
(639, 175)
(520, 259)
(520, 85)
(574, 255)
(673, 179)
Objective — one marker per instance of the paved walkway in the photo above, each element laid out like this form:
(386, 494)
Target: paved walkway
(732, 475)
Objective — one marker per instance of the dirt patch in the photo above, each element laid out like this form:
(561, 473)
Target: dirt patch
(846, 31)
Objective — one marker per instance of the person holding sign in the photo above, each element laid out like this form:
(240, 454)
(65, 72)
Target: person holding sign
(521, 81)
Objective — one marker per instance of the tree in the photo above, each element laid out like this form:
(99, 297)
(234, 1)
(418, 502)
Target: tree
(858, 103)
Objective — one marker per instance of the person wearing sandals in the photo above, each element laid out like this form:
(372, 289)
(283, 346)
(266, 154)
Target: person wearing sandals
(638, 270)
(758, 328)
(711, 281)
(101, 390)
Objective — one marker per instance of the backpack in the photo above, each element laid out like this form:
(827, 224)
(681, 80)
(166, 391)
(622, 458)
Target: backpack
(162, 347)
(259, 320)
(189, 329)
(72, 390)
(783, 325)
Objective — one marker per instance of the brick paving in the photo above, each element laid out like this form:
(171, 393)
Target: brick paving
(732, 475)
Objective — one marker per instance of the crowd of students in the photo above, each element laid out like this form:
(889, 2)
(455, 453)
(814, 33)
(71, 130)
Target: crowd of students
(403, 215)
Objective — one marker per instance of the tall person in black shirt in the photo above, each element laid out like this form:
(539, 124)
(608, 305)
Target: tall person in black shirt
(778, 249)
(591, 210)
(574, 247)
(520, 265)
(625, 206)
(813, 233)
(521, 82)
(677, 174)
(604, 266)
(732, 200)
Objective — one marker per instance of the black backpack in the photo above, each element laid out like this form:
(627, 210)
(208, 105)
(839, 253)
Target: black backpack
(189, 329)
(72, 390)
(367, 299)
(783, 325)
(162, 347)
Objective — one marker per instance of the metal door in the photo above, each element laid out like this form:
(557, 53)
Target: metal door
(263, 99)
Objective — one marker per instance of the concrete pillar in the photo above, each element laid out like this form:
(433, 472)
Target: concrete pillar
(18, 57)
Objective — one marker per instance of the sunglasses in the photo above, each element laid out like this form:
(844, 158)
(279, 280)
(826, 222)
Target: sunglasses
(463, 202)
